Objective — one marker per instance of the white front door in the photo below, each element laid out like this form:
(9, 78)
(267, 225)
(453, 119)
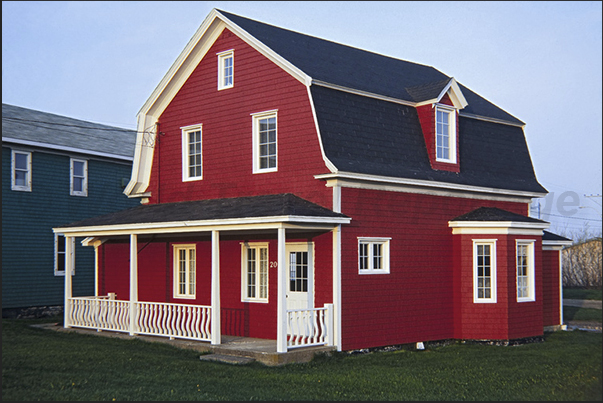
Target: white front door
(300, 275)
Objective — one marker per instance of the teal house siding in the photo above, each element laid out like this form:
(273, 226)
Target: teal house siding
(28, 242)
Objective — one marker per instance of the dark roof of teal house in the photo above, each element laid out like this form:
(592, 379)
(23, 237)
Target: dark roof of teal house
(277, 205)
(359, 69)
(42, 129)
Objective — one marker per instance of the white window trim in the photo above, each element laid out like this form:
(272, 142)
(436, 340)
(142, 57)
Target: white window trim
(452, 133)
(221, 57)
(245, 246)
(84, 191)
(385, 257)
(176, 281)
(531, 270)
(492, 243)
(185, 152)
(60, 271)
(13, 186)
(256, 117)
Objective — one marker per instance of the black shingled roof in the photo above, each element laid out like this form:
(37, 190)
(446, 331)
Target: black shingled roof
(359, 69)
(549, 236)
(370, 136)
(285, 204)
(495, 214)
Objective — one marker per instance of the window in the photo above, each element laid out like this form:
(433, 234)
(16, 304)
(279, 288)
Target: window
(192, 158)
(21, 171)
(525, 270)
(254, 264)
(484, 270)
(373, 255)
(225, 69)
(184, 271)
(264, 142)
(60, 257)
(79, 177)
(445, 134)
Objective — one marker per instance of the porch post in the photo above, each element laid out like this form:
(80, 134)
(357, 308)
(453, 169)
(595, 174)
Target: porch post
(336, 325)
(133, 281)
(216, 336)
(69, 263)
(281, 310)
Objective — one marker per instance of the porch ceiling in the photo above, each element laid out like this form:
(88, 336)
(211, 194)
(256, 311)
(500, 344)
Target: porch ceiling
(257, 213)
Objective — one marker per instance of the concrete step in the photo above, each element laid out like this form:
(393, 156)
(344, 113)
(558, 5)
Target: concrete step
(229, 359)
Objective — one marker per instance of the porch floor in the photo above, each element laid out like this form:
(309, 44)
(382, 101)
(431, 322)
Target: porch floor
(233, 350)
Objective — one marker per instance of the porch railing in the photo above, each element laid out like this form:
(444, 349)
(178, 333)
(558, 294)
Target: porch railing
(310, 327)
(152, 318)
(305, 327)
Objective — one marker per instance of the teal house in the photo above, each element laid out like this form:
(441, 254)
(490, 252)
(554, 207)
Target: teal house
(55, 170)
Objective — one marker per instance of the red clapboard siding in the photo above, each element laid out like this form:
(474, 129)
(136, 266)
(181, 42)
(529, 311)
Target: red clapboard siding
(259, 85)
(416, 301)
(550, 288)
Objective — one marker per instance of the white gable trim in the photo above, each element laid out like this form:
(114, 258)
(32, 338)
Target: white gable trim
(456, 96)
(174, 79)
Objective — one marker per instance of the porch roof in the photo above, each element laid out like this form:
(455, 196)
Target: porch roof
(266, 211)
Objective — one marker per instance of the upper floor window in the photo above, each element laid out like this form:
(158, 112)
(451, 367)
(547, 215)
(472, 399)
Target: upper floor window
(192, 161)
(264, 141)
(225, 69)
(484, 270)
(184, 271)
(255, 271)
(525, 270)
(79, 177)
(21, 170)
(445, 134)
(373, 255)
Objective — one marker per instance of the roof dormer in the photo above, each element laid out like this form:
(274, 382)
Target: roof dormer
(438, 106)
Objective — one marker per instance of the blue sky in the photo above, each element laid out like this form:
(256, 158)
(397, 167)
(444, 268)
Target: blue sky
(540, 61)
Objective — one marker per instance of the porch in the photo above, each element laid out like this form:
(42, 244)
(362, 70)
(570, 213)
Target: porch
(215, 223)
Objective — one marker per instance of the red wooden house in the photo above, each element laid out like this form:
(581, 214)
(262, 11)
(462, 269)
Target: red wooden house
(311, 193)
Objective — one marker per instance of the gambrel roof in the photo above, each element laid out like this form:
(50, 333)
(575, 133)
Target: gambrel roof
(365, 110)
(34, 128)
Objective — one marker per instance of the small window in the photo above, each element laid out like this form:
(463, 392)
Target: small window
(484, 271)
(265, 142)
(192, 153)
(60, 254)
(525, 270)
(445, 134)
(79, 177)
(184, 271)
(21, 171)
(254, 265)
(373, 255)
(225, 69)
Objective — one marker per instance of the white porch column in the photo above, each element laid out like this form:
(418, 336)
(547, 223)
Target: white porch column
(216, 335)
(561, 288)
(133, 281)
(69, 263)
(337, 287)
(281, 311)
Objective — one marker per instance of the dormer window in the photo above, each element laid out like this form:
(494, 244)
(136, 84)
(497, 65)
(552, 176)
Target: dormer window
(225, 69)
(445, 134)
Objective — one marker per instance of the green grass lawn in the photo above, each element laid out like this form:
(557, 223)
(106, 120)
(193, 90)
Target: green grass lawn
(45, 365)
(581, 293)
